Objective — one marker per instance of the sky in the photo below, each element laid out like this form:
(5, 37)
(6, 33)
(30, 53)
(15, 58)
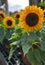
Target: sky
(17, 4)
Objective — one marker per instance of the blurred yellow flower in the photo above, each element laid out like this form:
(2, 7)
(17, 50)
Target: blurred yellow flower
(2, 15)
(17, 15)
(9, 22)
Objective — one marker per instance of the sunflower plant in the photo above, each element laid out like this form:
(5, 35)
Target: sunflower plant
(29, 33)
(16, 16)
(7, 26)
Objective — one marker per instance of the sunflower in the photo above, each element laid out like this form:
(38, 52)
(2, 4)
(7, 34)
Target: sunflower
(2, 15)
(31, 18)
(9, 22)
(17, 15)
(44, 14)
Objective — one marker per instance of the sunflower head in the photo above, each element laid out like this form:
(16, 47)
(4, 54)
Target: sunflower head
(9, 22)
(2, 15)
(44, 14)
(17, 15)
(31, 18)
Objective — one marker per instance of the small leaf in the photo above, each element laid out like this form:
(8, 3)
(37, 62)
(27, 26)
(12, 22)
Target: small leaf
(31, 58)
(26, 46)
(43, 45)
(37, 55)
(33, 37)
(13, 48)
(43, 36)
(15, 43)
(43, 56)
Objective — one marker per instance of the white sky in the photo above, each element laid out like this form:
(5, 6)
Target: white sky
(22, 3)
(19, 2)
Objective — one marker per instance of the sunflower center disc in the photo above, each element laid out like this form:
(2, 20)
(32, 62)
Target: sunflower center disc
(9, 23)
(17, 16)
(2, 15)
(32, 19)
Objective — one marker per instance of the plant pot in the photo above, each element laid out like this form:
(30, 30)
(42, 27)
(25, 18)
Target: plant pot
(25, 60)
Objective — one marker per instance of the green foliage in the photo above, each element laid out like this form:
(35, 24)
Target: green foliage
(9, 33)
(34, 57)
(26, 44)
(43, 45)
(42, 5)
(32, 43)
(13, 48)
(2, 33)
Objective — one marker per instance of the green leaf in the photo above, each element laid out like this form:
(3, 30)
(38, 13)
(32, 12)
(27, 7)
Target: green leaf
(26, 44)
(14, 37)
(5, 41)
(18, 31)
(24, 37)
(13, 48)
(38, 33)
(42, 4)
(43, 45)
(9, 33)
(15, 43)
(17, 21)
(32, 58)
(43, 56)
(2, 33)
(33, 37)
(43, 36)
(37, 55)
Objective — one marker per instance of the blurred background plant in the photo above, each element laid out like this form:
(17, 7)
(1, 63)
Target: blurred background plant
(42, 5)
